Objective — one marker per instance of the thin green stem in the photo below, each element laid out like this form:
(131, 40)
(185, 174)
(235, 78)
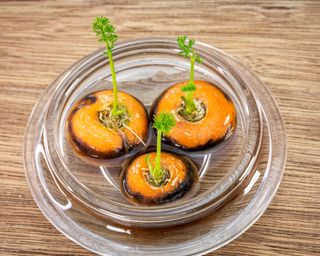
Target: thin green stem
(192, 69)
(190, 106)
(157, 169)
(114, 82)
(189, 102)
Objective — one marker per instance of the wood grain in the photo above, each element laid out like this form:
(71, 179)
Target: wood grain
(278, 40)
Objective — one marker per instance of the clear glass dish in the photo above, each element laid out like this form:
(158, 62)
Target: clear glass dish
(238, 178)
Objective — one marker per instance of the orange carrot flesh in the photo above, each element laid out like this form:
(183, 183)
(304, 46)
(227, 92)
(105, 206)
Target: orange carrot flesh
(136, 184)
(219, 119)
(87, 130)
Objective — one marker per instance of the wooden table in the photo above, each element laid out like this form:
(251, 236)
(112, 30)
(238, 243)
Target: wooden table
(278, 40)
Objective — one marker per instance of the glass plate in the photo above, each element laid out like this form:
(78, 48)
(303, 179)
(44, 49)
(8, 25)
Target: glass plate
(238, 178)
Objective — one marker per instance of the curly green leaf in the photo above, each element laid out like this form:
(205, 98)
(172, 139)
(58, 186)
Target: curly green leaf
(105, 31)
(189, 87)
(186, 46)
(164, 122)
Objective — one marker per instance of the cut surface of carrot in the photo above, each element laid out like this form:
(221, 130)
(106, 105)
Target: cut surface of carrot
(218, 122)
(181, 176)
(91, 137)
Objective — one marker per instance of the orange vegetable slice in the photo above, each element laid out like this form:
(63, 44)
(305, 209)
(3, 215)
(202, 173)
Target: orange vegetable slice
(90, 136)
(218, 123)
(182, 175)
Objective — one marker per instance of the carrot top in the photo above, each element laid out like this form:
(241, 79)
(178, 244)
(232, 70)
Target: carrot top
(163, 123)
(186, 46)
(106, 33)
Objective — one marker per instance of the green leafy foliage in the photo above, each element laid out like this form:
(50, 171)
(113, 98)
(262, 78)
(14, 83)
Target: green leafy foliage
(164, 122)
(197, 58)
(105, 31)
(186, 46)
(189, 87)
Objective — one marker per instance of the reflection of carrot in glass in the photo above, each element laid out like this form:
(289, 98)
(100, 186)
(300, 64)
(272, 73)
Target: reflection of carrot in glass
(106, 33)
(163, 123)
(186, 46)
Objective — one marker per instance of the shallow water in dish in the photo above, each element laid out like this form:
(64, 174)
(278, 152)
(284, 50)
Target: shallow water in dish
(146, 73)
(152, 239)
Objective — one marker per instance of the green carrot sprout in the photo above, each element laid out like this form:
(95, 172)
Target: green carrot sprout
(186, 46)
(163, 122)
(106, 33)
